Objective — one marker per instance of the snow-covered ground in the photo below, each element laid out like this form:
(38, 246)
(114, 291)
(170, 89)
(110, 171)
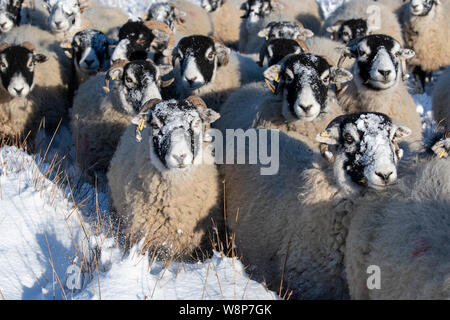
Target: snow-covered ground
(53, 228)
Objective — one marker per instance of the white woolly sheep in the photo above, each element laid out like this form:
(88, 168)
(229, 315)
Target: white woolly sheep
(302, 100)
(377, 81)
(426, 31)
(98, 119)
(441, 100)
(207, 68)
(329, 48)
(166, 189)
(29, 95)
(225, 17)
(405, 235)
(259, 13)
(366, 17)
(291, 227)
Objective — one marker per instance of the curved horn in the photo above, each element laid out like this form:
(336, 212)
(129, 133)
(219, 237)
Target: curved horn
(141, 119)
(150, 104)
(161, 26)
(118, 63)
(302, 45)
(300, 25)
(28, 45)
(4, 46)
(196, 101)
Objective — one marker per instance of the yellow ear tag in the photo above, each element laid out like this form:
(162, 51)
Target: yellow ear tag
(363, 181)
(324, 134)
(267, 37)
(442, 154)
(277, 78)
(114, 78)
(141, 125)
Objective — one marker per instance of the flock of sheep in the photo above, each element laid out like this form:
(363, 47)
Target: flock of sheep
(357, 184)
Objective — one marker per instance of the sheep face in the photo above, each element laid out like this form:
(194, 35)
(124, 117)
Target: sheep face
(303, 80)
(134, 42)
(212, 5)
(285, 30)
(176, 134)
(422, 7)
(345, 31)
(277, 49)
(17, 70)
(65, 15)
(378, 58)
(90, 51)
(165, 12)
(9, 14)
(200, 57)
(255, 11)
(365, 148)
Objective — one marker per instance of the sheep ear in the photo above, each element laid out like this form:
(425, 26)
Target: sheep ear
(305, 34)
(116, 73)
(333, 29)
(272, 77)
(223, 53)
(401, 132)
(407, 53)
(340, 75)
(264, 33)
(442, 148)
(66, 45)
(207, 115)
(39, 58)
(179, 15)
(332, 133)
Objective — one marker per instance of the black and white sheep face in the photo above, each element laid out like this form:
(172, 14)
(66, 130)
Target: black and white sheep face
(345, 31)
(378, 58)
(255, 11)
(212, 5)
(422, 7)
(164, 12)
(365, 149)
(17, 70)
(135, 41)
(304, 81)
(199, 56)
(65, 15)
(176, 134)
(90, 51)
(10, 14)
(285, 30)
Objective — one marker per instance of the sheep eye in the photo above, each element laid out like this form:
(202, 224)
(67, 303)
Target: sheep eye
(128, 80)
(348, 138)
(211, 55)
(361, 52)
(2, 65)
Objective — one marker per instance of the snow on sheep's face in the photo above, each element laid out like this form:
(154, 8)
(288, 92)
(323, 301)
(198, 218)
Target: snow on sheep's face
(65, 15)
(9, 14)
(199, 56)
(422, 7)
(378, 58)
(90, 51)
(255, 11)
(285, 30)
(164, 12)
(17, 70)
(303, 81)
(345, 31)
(176, 134)
(134, 42)
(365, 149)
(212, 5)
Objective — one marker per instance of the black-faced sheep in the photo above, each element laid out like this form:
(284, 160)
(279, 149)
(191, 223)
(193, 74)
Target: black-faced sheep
(10, 14)
(291, 227)
(441, 100)
(166, 189)
(377, 81)
(259, 13)
(207, 68)
(302, 100)
(358, 18)
(99, 119)
(426, 31)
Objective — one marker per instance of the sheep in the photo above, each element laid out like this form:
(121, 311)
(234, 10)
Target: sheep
(405, 235)
(259, 13)
(290, 228)
(377, 82)
(10, 14)
(358, 18)
(28, 96)
(207, 68)
(90, 51)
(426, 31)
(276, 49)
(167, 188)
(441, 100)
(183, 17)
(302, 100)
(141, 40)
(98, 119)
(225, 18)
(69, 16)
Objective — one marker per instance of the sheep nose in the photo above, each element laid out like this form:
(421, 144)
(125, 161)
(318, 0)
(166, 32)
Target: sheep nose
(19, 91)
(58, 23)
(180, 158)
(89, 62)
(306, 108)
(3, 25)
(384, 176)
(191, 81)
(384, 73)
